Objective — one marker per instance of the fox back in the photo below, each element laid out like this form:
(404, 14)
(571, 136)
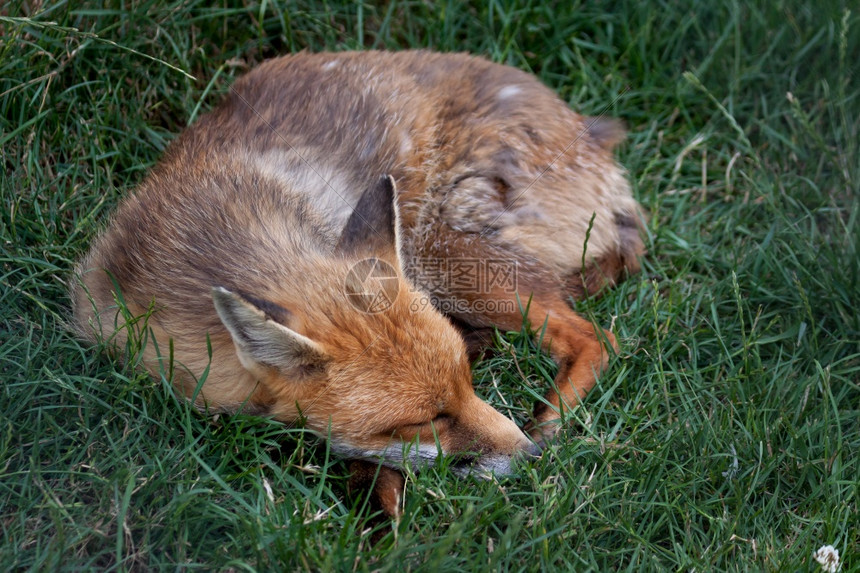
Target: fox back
(476, 148)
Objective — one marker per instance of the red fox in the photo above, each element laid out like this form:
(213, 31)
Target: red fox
(508, 198)
(264, 221)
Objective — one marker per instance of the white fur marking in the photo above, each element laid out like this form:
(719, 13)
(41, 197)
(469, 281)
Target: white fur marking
(405, 145)
(509, 92)
(398, 453)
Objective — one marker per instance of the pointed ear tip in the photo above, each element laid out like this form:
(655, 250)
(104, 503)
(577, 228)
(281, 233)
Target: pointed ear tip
(388, 183)
(224, 300)
(607, 131)
(221, 294)
(391, 185)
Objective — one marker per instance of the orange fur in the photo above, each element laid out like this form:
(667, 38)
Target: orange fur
(266, 197)
(490, 165)
(227, 253)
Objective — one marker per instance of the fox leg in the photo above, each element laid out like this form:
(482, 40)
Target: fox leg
(580, 350)
(386, 483)
(573, 342)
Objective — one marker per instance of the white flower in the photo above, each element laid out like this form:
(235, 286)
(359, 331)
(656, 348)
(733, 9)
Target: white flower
(271, 495)
(828, 556)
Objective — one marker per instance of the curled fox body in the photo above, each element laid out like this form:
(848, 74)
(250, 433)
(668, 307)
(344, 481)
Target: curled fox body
(247, 234)
(492, 168)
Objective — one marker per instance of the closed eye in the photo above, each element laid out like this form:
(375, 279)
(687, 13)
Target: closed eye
(409, 431)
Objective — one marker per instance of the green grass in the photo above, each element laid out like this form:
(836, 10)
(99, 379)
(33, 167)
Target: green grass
(725, 436)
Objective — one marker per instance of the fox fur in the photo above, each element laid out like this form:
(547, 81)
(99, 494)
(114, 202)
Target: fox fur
(215, 247)
(490, 165)
(246, 231)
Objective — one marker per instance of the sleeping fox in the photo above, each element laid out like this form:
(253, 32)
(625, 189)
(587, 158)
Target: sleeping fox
(267, 232)
(508, 199)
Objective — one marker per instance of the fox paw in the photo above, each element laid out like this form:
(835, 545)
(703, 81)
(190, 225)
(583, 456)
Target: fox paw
(385, 485)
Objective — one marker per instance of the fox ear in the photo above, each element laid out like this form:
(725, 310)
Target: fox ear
(374, 226)
(607, 132)
(261, 341)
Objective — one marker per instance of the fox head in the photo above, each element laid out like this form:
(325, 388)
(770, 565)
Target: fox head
(366, 361)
